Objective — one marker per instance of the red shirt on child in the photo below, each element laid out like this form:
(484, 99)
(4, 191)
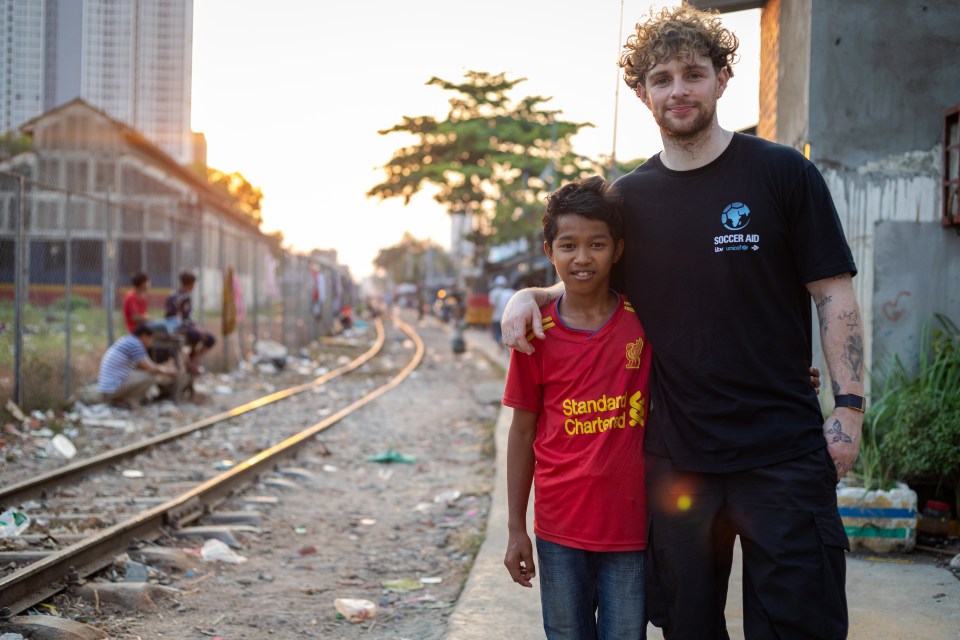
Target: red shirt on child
(591, 391)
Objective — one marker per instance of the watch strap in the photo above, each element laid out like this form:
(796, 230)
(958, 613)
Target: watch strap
(851, 401)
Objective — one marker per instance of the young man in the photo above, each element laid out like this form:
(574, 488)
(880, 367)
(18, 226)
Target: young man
(728, 237)
(127, 372)
(499, 296)
(578, 424)
(177, 312)
(135, 301)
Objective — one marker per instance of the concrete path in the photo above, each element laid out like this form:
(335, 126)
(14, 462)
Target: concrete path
(888, 599)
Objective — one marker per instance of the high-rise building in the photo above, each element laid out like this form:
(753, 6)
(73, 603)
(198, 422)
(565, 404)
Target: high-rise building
(130, 58)
(22, 41)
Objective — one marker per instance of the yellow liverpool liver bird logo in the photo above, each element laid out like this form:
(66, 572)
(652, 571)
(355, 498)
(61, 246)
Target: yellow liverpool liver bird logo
(634, 349)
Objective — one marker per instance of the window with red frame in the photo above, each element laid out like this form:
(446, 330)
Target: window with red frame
(951, 167)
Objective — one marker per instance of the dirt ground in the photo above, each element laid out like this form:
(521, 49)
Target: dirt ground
(400, 535)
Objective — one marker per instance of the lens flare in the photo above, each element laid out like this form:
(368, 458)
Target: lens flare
(684, 502)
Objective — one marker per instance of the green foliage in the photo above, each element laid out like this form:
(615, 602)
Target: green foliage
(77, 303)
(915, 420)
(411, 260)
(12, 144)
(492, 157)
(246, 197)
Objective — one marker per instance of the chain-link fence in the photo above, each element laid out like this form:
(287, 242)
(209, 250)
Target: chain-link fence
(66, 258)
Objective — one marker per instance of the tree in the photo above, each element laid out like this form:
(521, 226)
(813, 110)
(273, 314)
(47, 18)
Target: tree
(413, 260)
(12, 144)
(246, 197)
(492, 158)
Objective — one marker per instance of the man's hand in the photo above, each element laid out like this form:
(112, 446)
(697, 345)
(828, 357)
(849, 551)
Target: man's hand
(815, 379)
(519, 559)
(523, 311)
(842, 432)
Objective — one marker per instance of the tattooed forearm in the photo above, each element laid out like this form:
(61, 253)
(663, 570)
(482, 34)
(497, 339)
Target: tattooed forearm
(853, 356)
(835, 386)
(822, 313)
(835, 433)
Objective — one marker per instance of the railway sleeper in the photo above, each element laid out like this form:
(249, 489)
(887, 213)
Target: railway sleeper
(51, 628)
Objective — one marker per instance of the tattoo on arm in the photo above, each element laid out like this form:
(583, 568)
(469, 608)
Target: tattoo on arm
(822, 313)
(853, 356)
(835, 386)
(835, 433)
(852, 318)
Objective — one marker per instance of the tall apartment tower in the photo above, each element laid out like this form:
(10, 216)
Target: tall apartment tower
(130, 58)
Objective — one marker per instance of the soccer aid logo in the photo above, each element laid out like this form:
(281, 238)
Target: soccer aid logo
(735, 216)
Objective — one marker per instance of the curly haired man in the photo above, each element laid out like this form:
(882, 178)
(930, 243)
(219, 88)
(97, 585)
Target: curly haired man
(727, 239)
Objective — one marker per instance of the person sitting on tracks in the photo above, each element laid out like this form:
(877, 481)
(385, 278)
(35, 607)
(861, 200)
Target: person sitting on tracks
(177, 312)
(135, 301)
(579, 408)
(127, 372)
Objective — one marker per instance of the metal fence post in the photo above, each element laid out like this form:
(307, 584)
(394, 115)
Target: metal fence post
(256, 293)
(18, 284)
(223, 293)
(68, 290)
(109, 255)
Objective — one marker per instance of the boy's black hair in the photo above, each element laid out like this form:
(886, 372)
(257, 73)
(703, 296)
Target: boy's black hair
(138, 278)
(142, 330)
(593, 198)
(186, 277)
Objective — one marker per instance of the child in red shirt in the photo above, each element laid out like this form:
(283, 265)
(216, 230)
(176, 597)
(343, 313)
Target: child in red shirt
(580, 405)
(135, 301)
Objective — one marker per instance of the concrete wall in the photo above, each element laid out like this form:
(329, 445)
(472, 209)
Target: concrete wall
(917, 271)
(793, 102)
(883, 72)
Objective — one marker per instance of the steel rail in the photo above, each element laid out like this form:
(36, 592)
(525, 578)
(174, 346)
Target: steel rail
(37, 582)
(39, 486)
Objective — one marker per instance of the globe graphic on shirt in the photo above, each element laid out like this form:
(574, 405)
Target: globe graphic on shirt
(735, 216)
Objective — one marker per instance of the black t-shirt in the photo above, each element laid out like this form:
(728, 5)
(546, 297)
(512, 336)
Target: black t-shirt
(716, 263)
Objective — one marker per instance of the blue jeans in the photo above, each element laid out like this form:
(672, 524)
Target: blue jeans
(591, 595)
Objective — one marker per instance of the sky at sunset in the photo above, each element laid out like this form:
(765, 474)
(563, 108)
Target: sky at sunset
(291, 94)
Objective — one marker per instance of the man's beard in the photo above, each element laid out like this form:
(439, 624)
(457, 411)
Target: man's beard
(686, 130)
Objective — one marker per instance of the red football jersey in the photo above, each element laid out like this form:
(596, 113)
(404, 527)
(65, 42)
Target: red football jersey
(591, 391)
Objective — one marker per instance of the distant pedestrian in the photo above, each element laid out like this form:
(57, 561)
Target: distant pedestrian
(135, 301)
(178, 314)
(127, 372)
(499, 297)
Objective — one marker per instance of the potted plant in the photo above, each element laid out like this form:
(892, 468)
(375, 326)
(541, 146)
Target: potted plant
(912, 429)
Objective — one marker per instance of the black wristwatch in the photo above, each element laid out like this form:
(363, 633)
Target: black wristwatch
(857, 403)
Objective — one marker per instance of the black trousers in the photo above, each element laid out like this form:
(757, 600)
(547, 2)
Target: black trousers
(793, 543)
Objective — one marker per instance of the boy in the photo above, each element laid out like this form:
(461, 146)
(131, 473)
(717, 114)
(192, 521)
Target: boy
(127, 372)
(135, 301)
(177, 313)
(580, 405)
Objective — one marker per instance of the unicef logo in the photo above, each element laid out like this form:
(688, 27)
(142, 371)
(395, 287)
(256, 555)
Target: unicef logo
(735, 216)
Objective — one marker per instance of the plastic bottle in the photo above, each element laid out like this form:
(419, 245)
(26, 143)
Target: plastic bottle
(13, 522)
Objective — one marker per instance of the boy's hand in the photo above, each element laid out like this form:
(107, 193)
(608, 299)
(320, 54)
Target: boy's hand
(519, 559)
(522, 311)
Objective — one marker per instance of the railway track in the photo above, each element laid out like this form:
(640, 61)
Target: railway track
(97, 508)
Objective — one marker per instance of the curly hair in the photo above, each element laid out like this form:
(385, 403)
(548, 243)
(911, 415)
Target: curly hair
(677, 33)
(593, 198)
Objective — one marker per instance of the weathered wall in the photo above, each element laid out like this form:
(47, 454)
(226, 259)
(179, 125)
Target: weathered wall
(882, 74)
(917, 271)
(902, 188)
(793, 102)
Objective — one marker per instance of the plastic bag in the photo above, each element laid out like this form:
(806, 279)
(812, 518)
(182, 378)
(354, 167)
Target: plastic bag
(13, 522)
(215, 550)
(355, 609)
